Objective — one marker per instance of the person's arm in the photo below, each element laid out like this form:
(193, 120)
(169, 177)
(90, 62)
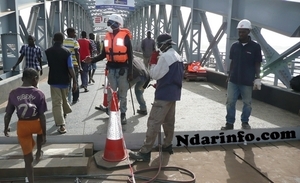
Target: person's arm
(99, 57)
(43, 126)
(91, 47)
(78, 59)
(130, 56)
(40, 61)
(258, 63)
(153, 49)
(7, 118)
(158, 71)
(20, 59)
(39, 55)
(72, 72)
(142, 45)
(257, 70)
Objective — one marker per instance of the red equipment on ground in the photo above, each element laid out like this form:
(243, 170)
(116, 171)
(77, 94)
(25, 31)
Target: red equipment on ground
(194, 71)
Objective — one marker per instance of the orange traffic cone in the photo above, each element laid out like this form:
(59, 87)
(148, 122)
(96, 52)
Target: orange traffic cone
(114, 147)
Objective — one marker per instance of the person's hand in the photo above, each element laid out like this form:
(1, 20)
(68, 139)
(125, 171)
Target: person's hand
(74, 87)
(6, 132)
(41, 72)
(43, 139)
(80, 69)
(257, 84)
(14, 68)
(227, 79)
(129, 77)
(88, 59)
(153, 85)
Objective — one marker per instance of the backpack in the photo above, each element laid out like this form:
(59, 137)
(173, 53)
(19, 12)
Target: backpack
(295, 83)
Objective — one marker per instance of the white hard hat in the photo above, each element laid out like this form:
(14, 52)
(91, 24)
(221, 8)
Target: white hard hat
(244, 24)
(116, 18)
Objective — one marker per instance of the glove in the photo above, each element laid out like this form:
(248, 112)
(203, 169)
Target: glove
(154, 57)
(257, 84)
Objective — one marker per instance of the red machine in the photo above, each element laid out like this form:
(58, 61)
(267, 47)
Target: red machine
(194, 71)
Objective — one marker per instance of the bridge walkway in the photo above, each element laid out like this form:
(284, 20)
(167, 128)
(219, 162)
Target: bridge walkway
(201, 111)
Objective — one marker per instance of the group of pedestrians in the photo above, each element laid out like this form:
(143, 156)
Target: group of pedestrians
(68, 57)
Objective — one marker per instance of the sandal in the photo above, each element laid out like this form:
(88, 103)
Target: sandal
(61, 129)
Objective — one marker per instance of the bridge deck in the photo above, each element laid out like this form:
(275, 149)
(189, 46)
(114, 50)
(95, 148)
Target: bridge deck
(202, 111)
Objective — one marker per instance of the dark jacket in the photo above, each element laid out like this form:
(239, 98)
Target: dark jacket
(57, 57)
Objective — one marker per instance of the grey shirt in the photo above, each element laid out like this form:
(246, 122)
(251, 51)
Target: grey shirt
(148, 46)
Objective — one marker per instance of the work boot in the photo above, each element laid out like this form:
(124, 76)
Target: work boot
(123, 119)
(228, 126)
(168, 149)
(142, 112)
(138, 156)
(246, 126)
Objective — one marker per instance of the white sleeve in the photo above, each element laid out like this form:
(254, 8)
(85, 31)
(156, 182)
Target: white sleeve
(158, 71)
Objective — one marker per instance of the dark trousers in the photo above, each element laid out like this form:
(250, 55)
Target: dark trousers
(76, 92)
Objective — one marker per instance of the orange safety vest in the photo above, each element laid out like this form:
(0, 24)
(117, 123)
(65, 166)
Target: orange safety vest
(114, 46)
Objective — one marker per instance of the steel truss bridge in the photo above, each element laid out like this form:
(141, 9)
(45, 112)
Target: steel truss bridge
(47, 17)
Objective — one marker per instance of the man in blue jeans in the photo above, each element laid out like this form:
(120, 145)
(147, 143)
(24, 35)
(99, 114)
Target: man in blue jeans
(141, 79)
(244, 75)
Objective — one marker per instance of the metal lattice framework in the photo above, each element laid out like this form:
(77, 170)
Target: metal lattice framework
(158, 16)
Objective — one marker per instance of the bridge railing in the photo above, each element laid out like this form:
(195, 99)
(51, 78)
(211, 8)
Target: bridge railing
(294, 67)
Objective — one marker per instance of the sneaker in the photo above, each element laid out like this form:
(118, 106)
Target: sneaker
(246, 126)
(142, 112)
(123, 119)
(61, 129)
(138, 156)
(168, 149)
(227, 126)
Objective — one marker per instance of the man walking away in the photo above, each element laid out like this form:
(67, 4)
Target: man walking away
(94, 52)
(84, 51)
(72, 45)
(30, 111)
(60, 70)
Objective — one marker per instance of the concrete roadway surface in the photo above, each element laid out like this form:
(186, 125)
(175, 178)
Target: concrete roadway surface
(202, 108)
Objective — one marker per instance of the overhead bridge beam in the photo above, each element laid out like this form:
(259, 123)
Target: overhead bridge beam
(276, 15)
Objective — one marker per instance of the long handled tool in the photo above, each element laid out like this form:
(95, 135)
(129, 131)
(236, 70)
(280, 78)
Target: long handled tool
(131, 98)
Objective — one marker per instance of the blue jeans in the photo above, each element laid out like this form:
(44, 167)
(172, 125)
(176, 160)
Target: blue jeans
(118, 83)
(84, 74)
(233, 92)
(139, 91)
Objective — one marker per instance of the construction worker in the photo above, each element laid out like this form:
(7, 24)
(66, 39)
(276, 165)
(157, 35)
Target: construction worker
(244, 75)
(118, 52)
(169, 74)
